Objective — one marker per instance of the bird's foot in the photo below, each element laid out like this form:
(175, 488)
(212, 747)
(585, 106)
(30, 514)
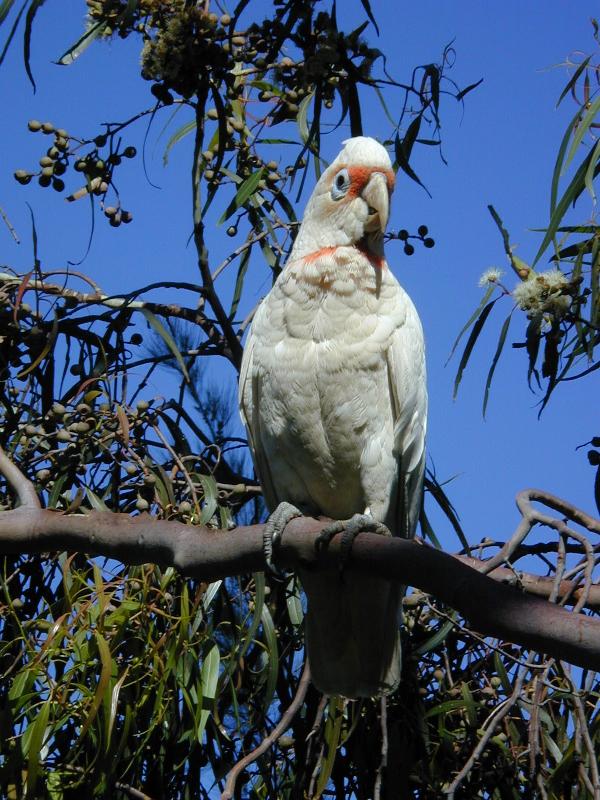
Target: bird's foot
(349, 528)
(284, 513)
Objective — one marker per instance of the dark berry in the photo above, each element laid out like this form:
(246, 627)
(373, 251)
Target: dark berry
(594, 458)
(423, 230)
(403, 235)
(429, 242)
(409, 249)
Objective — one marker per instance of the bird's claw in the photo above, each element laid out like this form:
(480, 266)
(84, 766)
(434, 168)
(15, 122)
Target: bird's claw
(273, 531)
(349, 528)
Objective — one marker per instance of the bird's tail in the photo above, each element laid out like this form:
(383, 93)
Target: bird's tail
(352, 633)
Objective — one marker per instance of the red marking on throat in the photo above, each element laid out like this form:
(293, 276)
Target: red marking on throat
(324, 251)
(376, 261)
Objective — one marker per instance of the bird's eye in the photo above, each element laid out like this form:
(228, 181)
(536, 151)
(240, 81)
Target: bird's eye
(341, 184)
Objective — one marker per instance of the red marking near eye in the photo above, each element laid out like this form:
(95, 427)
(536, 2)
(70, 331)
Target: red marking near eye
(360, 176)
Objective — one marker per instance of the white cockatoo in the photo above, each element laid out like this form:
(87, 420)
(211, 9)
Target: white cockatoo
(333, 395)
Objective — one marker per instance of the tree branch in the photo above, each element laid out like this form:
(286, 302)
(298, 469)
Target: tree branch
(493, 608)
(281, 727)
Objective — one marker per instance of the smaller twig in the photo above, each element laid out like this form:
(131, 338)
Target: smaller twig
(384, 750)
(494, 720)
(278, 730)
(9, 225)
(25, 490)
(135, 793)
(180, 465)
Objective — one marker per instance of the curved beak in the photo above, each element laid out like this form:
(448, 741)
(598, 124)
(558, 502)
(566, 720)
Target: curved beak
(377, 197)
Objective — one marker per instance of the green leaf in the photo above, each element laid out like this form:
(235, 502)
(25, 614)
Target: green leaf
(573, 80)
(273, 654)
(35, 743)
(210, 679)
(497, 355)
(331, 736)
(402, 161)
(468, 89)
(477, 327)
(571, 194)
(243, 194)
(211, 498)
(155, 323)
(582, 128)
(96, 502)
(471, 320)
(13, 30)
(179, 134)
(94, 31)
(301, 117)
(5, 7)
(590, 172)
(436, 639)
(293, 602)
(367, 7)
(34, 7)
(239, 281)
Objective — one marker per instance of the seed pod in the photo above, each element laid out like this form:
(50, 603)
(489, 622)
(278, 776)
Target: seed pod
(83, 408)
(46, 161)
(225, 20)
(63, 436)
(34, 125)
(126, 217)
(110, 211)
(47, 127)
(22, 177)
(141, 504)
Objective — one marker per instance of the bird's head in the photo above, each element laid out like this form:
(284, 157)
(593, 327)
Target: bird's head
(350, 204)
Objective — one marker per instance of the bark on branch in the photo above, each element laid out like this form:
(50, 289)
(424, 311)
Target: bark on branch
(491, 607)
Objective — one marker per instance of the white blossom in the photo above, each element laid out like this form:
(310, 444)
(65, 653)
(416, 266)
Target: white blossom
(491, 275)
(544, 292)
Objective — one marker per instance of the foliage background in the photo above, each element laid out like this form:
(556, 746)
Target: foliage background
(500, 149)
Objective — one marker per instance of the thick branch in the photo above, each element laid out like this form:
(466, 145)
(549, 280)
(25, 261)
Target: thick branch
(493, 608)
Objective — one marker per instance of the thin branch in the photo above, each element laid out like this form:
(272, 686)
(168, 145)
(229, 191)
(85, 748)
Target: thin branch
(494, 720)
(283, 724)
(24, 489)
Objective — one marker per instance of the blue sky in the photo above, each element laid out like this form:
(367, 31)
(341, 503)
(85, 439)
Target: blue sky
(500, 149)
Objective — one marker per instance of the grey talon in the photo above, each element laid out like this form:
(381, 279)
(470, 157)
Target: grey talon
(273, 531)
